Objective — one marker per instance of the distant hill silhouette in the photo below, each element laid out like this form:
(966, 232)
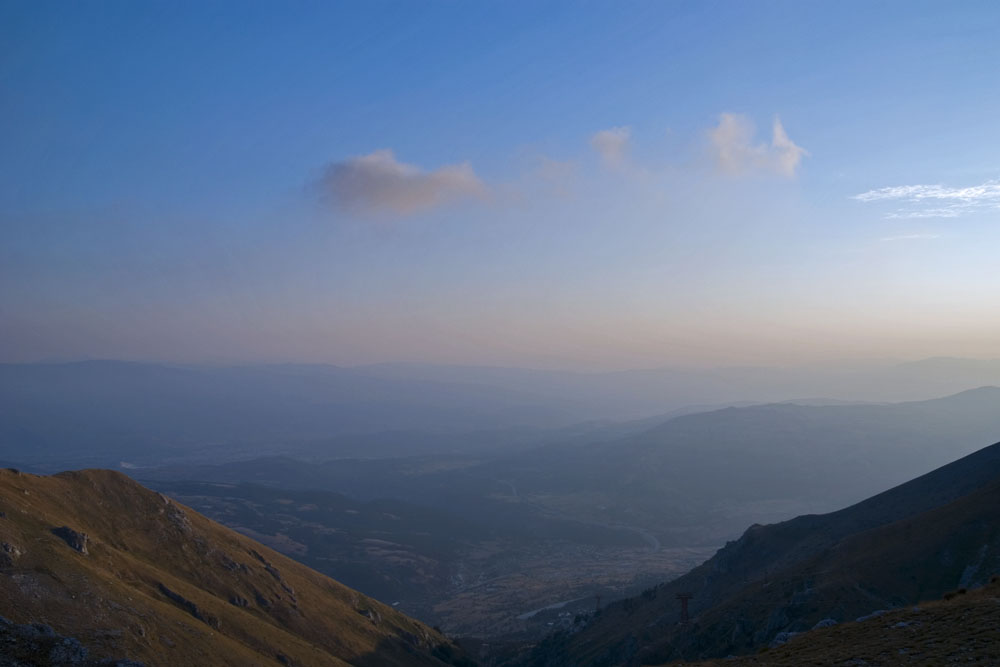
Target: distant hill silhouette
(702, 478)
(97, 413)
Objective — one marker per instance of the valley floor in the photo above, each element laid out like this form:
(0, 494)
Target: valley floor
(470, 585)
(521, 598)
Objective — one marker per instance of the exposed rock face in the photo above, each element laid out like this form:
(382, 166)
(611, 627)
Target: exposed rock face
(273, 571)
(874, 614)
(9, 553)
(231, 565)
(74, 539)
(175, 514)
(39, 645)
(371, 615)
(189, 606)
(782, 638)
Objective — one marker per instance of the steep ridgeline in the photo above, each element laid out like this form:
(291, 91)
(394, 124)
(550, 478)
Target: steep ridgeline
(102, 565)
(917, 541)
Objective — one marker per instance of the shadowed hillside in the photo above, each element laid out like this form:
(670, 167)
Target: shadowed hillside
(960, 629)
(129, 572)
(914, 542)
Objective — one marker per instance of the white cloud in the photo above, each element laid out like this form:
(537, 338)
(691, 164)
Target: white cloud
(612, 144)
(935, 201)
(735, 150)
(379, 183)
(945, 212)
(785, 153)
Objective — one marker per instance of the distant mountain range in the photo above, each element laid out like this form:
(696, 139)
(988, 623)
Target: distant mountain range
(93, 565)
(101, 412)
(693, 480)
(702, 477)
(934, 534)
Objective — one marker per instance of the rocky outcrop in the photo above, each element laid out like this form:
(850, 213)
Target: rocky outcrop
(38, 644)
(189, 606)
(77, 541)
(9, 553)
(239, 601)
(273, 571)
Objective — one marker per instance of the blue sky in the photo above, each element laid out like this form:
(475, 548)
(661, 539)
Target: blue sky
(541, 184)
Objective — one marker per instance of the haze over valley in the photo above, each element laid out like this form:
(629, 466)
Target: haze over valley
(474, 503)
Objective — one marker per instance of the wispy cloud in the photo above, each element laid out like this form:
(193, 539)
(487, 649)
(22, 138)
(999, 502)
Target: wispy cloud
(910, 237)
(555, 176)
(935, 201)
(736, 150)
(378, 183)
(612, 144)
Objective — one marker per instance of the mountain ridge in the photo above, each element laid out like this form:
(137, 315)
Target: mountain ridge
(129, 572)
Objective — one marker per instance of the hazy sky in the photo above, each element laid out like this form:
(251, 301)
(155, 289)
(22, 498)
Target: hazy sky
(599, 184)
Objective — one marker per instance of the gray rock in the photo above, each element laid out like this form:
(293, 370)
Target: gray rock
(42, 630)
(874, 614)
(71, 537)
(189, 606)
(782, 638)
(46, 647)
(9, 553)
(68, 650)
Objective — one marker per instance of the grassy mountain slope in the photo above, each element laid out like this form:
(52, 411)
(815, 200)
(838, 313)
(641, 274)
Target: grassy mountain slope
(961, 629)
(131, 573)
(918, 540)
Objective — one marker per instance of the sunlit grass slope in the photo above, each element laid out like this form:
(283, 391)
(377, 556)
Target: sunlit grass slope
(157, 582)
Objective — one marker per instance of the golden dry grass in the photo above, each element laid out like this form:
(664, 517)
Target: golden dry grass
(254, 606)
